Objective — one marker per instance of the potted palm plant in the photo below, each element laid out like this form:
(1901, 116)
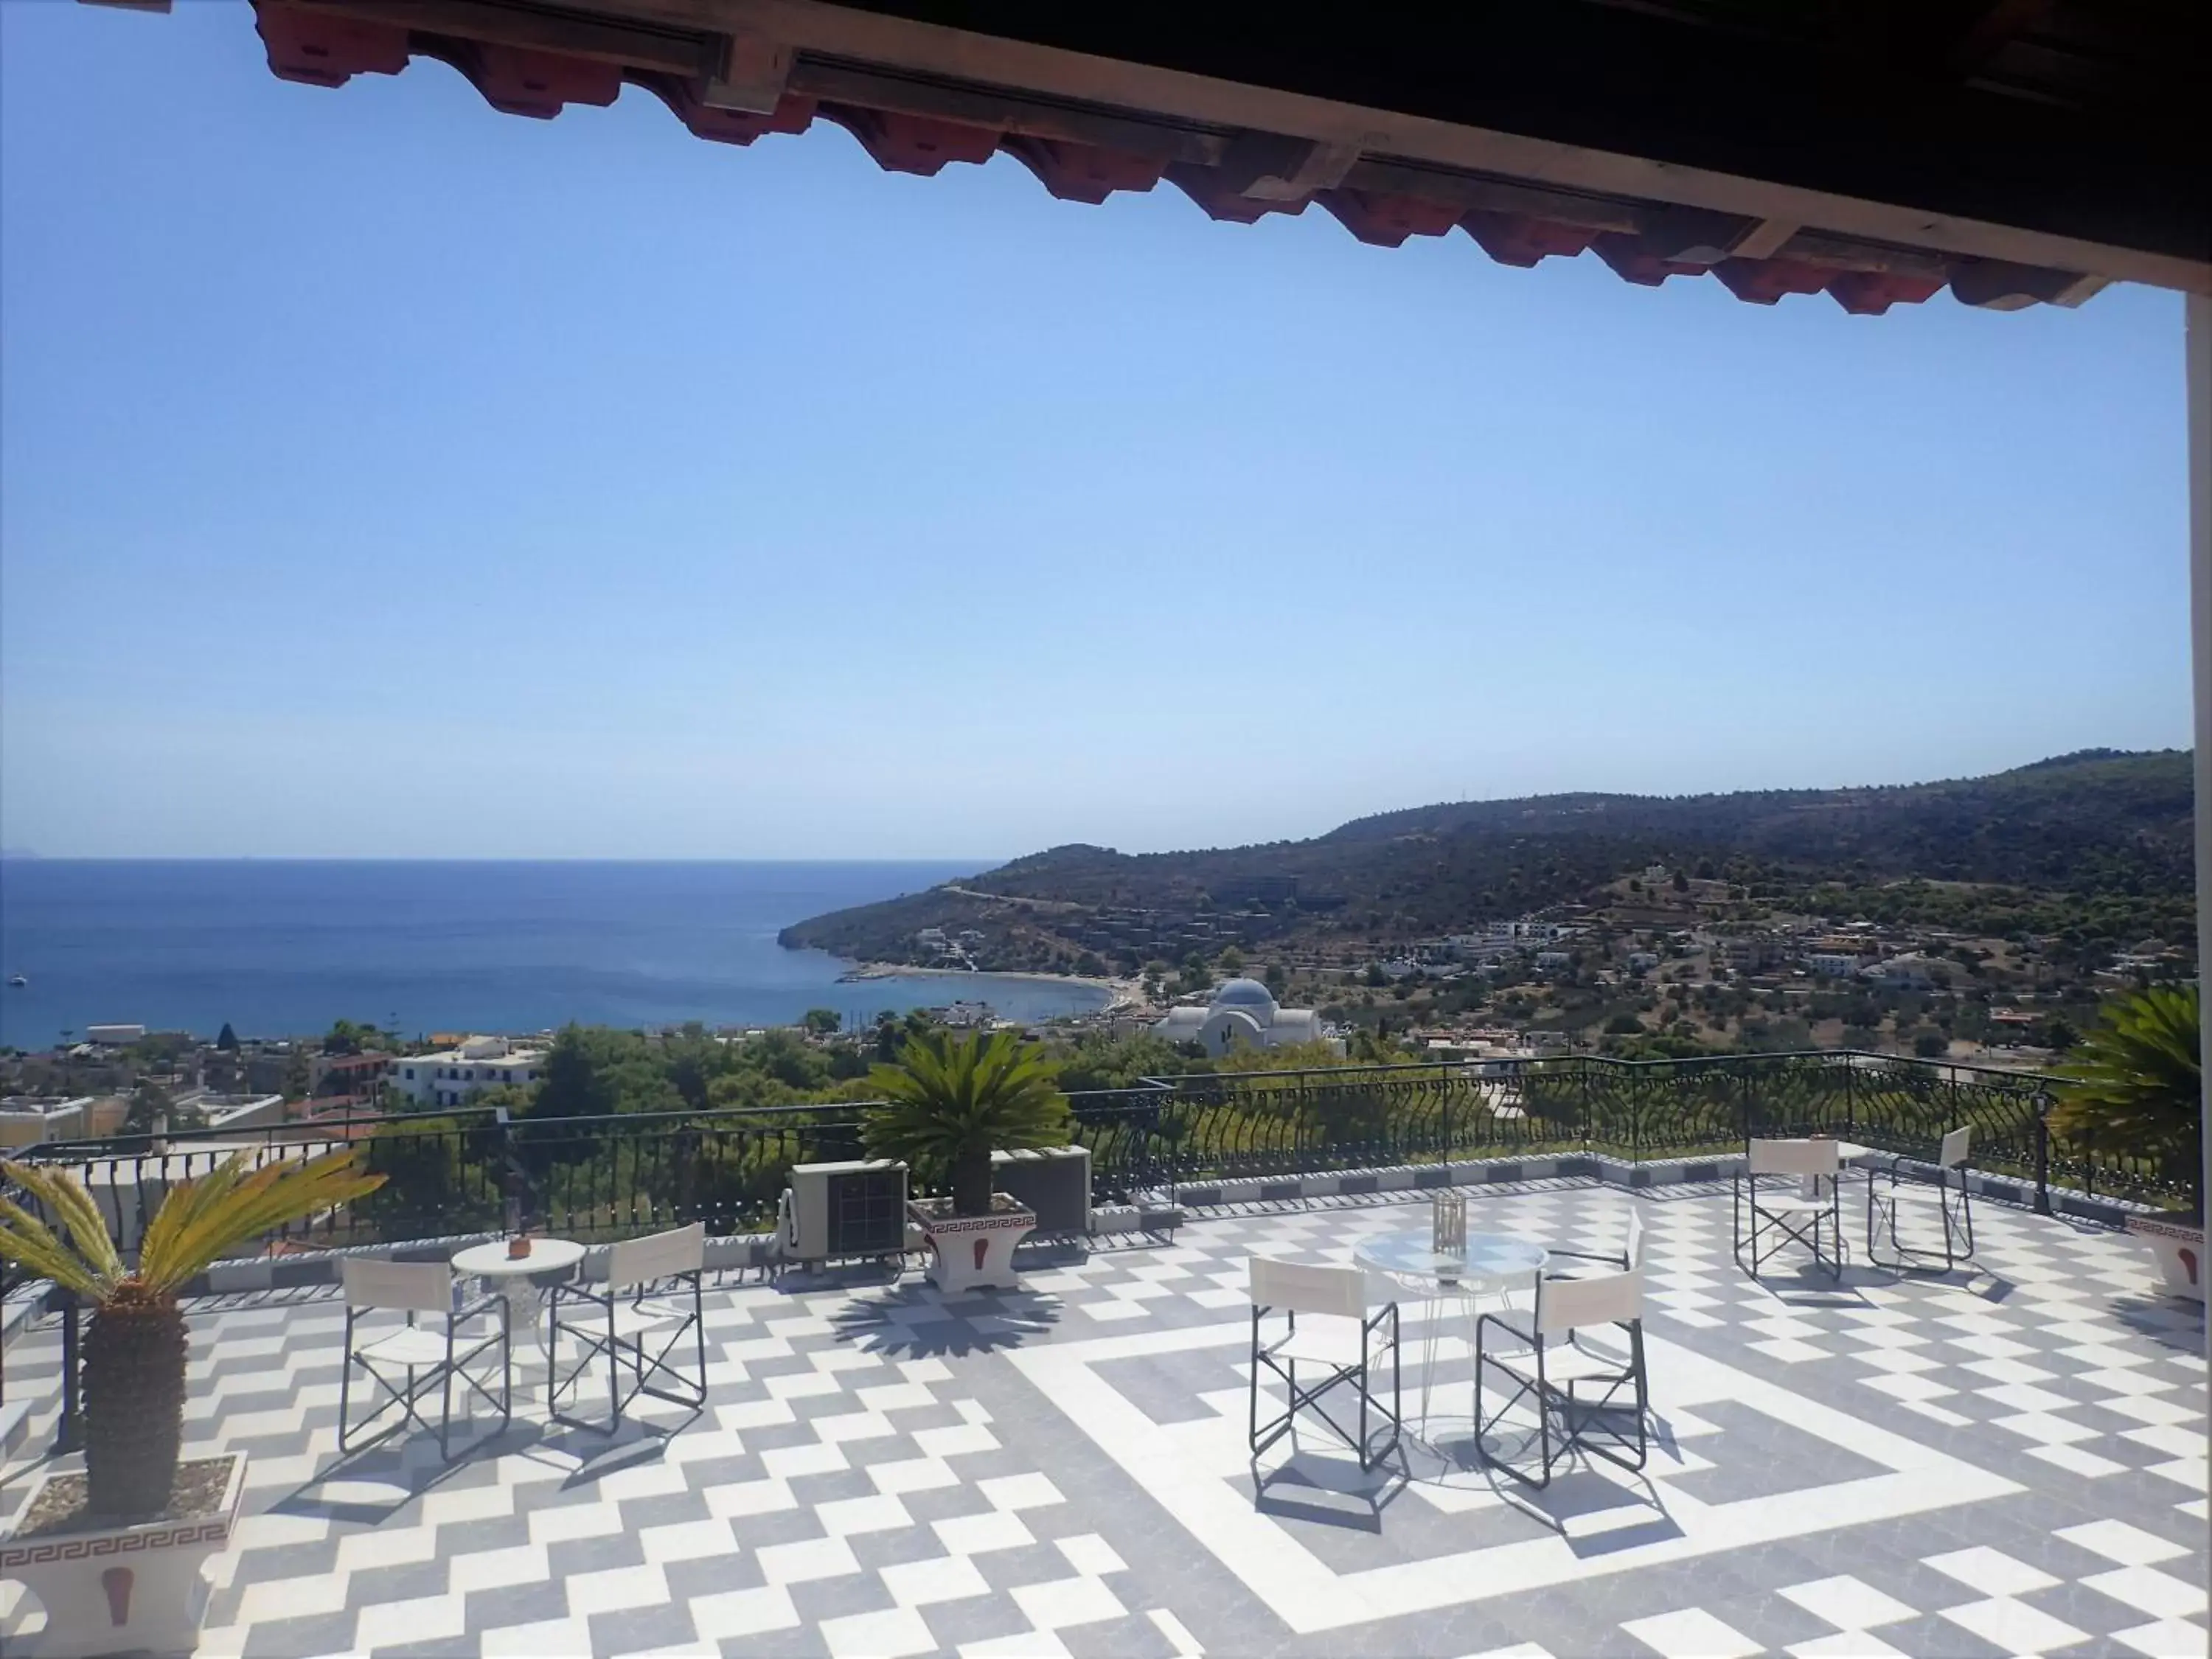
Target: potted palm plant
(114, 1552)
(948, 1105)
(2137, 1087)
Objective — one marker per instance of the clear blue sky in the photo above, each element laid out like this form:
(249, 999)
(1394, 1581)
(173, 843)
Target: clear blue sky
(384, 475)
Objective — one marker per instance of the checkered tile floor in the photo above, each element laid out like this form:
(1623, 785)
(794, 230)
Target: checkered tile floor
(2006, 1462)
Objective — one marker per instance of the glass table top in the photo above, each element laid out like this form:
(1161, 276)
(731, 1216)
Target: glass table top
(1489, 1258)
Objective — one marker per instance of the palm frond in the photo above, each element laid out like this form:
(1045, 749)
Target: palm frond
(950, 1097)
(30, 1243)
(69, 1203)
(202, 1218)
(2137, 1078)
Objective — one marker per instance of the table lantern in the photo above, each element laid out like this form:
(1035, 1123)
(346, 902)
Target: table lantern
(1448, 1234)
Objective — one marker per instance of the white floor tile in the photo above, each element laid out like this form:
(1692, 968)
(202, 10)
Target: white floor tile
(1090, 1553)
(744, 1612)
(2157, 1594)
(1848, 1644)
(549, 1638)
(924, 1584)
(1848, 1603)
(2169, 1639)
(1029, 1644)
(805, 1559)
(891, 1633)
(2116, 1540)
(1692, 1633)
(1059, 1602)
(1020, 1492)
(974, 1535)
(397, 1624)
(1991, 1572)
(2078, 1460)
(615, 1589)
(2015, 1626)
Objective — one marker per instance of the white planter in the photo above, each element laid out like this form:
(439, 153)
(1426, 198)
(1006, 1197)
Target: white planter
(2181, 1251)
(975, 1252)
(122, 1589)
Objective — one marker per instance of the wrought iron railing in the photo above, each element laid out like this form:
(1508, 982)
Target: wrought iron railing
(1261, 1123)
(464, 1170)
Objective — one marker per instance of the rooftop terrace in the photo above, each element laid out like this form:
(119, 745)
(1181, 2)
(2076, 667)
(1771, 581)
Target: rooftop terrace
(2007, 1460)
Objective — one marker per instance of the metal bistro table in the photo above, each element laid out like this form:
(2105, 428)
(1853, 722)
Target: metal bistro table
(1492, 1264)
(515, 1277)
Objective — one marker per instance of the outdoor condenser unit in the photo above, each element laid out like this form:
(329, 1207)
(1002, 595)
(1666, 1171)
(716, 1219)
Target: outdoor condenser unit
(844, 1209)
(1055, 1182)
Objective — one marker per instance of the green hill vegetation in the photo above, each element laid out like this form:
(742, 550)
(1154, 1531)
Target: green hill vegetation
(2094, 848)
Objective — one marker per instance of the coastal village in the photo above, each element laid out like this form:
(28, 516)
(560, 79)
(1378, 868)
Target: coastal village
(1672, 967)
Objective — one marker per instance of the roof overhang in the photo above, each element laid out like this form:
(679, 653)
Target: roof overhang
(2015, 151)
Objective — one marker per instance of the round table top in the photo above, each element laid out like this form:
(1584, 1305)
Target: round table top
(1490, 1258)
(492, 1262)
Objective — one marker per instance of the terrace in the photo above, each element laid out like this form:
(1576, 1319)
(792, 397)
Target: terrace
(2006, 1459)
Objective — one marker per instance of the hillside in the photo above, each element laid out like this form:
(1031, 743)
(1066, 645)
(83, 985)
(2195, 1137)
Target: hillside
(2097, 842)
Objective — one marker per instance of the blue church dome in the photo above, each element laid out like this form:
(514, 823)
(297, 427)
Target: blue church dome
(1244, 994)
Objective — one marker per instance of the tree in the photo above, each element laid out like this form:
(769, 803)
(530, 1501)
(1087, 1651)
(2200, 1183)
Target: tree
(152, 1105)
(345, 1037)
(226, 1039)
(953, 1101)
(136, 1344)
(822, 1022)
(1231, 959)
(593, 1071)
(1278, 977)
(1624, 1024)
(1682, 883)
(1091, 965)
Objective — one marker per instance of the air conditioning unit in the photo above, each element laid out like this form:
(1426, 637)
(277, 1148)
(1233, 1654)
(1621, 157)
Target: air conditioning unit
(850, 1209)
(1053, 1181)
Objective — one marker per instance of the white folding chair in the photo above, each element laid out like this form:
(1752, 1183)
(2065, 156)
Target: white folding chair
(1796, 1211)
(1944, 1201)
(434, 1352)
(1339, 1336)
(1630, 1255)
(645, 1296)
(1575, 1382)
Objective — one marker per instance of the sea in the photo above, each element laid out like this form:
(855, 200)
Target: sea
(283, 947)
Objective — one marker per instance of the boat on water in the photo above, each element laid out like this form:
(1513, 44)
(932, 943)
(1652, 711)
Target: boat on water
(17, 981)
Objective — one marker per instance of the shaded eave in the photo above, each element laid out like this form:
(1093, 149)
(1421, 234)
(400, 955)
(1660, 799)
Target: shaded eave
(1879, 152)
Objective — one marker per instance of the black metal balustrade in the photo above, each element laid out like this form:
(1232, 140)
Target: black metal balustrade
(460, 1171)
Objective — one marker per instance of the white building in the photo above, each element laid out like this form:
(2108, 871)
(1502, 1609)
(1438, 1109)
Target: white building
(27, 1120)
(114, 1036)
(1243, 1013)
(234, 1111)
(1911, 969)
(449, 1078)
(1832, 965)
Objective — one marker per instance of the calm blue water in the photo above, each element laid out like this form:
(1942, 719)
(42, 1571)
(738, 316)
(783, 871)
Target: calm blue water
(278, 947)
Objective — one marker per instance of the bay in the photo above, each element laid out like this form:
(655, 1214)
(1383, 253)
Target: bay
(283, 947)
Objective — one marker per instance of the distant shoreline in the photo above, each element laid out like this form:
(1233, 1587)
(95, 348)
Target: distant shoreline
(1121, 993)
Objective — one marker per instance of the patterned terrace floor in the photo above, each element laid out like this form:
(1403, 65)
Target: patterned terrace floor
(2008, 1462)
